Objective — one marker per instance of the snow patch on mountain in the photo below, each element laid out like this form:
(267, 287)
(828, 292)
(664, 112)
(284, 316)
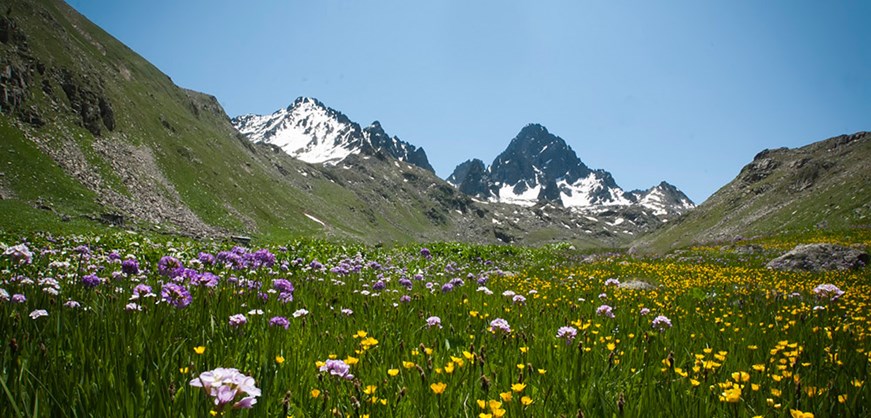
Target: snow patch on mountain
(312, 132)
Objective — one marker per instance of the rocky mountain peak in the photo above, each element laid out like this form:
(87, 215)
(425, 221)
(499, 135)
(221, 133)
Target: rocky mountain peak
(310, 131)
(539, 167)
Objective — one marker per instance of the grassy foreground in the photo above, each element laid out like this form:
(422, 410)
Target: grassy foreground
(451, 330)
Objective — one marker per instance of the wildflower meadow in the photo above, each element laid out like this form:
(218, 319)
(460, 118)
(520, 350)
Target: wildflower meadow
(129, 325)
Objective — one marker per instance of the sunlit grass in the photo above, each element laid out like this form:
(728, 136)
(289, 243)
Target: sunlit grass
(743, 340)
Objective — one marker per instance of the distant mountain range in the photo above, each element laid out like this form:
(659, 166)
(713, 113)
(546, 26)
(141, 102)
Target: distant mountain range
(536, 168)
(94, 136)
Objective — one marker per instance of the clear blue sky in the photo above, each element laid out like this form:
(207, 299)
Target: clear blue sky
(683, 91)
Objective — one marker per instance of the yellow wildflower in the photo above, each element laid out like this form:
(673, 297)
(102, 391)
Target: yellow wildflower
(438, 388)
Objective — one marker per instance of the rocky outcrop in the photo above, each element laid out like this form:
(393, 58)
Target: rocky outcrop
(88, 102)
(820, 257)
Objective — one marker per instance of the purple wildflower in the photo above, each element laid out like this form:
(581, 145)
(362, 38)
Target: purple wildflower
(72, 304)
(567, 333)
(644, 311)
(283, 285)
(170, 266)
(404, 282)
(605, 310)
(424, 252)
(225, 385)
(141, 290)
(519, 299)
(38, 313)
(447, 287)
(91, 280)
(433, 321)
(19, 253)
(285, 297)
(132, 307)
(83, 250)
(206, 258)
(337, 368)
(661, 323)
(828, 291)
(500, 325)
(405, 298)
(612, 282)
(18, 298)
(347, 312)
(379, 285)
(279, 321)
(238, 320)
(176, 295)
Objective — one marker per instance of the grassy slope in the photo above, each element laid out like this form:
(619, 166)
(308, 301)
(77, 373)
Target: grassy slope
(224, 181)
(836, 201)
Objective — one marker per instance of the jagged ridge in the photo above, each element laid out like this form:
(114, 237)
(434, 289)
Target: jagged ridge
(312, 132)
(539, 167)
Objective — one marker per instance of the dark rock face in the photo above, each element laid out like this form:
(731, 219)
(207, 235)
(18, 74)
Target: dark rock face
(535, 153)
(535, 157)
(93, 108)
(395, 147)
(470, 177)
(820, 257)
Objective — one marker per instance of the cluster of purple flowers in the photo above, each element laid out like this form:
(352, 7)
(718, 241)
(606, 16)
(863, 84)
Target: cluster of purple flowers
(170, 266)
(19, 254)
(612, 282)
(500, 325)
(337, 368)
(661, 323)
(206, 258)
(605, 311)
(404, 282)
(226, 385)
(433, 321)
(238, 320)
(644, 311)
(176, 295)
(206, 279)
(567, 333)
(828, 291)
(279, 321)
(90, 280)
(285, 290)
(130, 266)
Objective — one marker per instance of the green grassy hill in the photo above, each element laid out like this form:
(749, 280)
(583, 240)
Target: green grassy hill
(821, 188)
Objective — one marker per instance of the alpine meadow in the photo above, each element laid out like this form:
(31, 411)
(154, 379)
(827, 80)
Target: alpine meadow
(160, 258)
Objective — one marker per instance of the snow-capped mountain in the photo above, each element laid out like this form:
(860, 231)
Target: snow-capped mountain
(663, 199)
(539, 167)
(314, 133)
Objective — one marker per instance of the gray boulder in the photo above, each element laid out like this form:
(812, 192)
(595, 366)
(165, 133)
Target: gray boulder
(636, 284)
(820, 257)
